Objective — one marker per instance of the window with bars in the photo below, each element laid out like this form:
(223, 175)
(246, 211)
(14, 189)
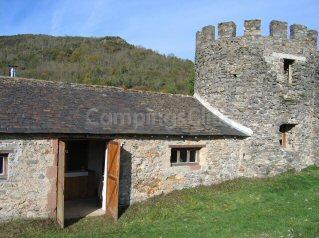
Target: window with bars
(3, 165)
(187, 155)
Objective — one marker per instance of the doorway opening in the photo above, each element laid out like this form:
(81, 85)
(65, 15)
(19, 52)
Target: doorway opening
(84, 178)
(87, 179)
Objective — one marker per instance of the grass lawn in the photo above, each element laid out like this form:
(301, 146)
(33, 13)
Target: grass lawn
(283, 206)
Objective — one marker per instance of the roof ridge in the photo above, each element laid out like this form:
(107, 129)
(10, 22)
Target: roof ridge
(93, 86)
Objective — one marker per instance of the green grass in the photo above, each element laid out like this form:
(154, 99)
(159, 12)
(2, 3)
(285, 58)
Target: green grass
(283, 206)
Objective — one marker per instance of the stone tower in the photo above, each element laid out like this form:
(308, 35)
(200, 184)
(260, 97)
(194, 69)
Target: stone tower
(269, 84)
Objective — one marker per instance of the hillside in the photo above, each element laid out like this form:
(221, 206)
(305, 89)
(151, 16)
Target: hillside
(105, 61)
(282, 206)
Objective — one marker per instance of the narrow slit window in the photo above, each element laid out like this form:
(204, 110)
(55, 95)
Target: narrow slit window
(288, 68)
(286, 135)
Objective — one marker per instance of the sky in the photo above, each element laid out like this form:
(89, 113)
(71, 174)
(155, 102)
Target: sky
(166, 26)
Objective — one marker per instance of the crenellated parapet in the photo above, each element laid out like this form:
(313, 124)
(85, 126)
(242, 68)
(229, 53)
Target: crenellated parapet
(278, 30)
(265, 82)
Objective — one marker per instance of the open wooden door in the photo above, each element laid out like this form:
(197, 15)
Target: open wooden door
(60, 184)
(113, 174)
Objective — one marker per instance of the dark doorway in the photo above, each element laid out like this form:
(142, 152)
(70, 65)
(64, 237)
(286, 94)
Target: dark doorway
(84, 171)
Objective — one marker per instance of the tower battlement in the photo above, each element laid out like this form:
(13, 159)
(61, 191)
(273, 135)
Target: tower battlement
(266, 83)
(278, 30)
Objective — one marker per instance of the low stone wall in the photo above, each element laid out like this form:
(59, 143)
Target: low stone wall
(29, 189)
(146, 170)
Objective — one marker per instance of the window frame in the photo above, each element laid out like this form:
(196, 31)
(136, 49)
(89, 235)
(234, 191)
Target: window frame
(4, 157)
(188, 149)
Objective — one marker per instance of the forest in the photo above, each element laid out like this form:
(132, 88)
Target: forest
(89, 60)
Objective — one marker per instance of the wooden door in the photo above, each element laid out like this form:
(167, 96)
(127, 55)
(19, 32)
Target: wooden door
(60, 184)
(113, 174)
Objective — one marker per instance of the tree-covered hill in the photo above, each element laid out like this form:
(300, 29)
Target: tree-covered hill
(105, 61)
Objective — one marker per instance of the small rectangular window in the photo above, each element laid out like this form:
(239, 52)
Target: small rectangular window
(286, 135)
(3, 165)
(184, 155)
(288, 63)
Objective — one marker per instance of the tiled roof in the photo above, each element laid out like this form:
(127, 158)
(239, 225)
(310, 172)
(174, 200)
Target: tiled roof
(38, 106)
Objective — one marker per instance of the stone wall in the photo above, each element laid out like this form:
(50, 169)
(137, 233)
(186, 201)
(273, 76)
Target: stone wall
(146, 170)
(316, 119)
(29, 189)
(243, 77)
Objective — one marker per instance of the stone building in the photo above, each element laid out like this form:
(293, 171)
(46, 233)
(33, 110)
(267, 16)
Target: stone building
(64, 148)
(267, 83)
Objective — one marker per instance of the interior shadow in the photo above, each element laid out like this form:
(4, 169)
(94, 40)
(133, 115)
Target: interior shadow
(80, 208)
(125, 181)
(70, 222)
